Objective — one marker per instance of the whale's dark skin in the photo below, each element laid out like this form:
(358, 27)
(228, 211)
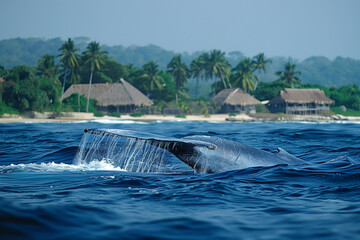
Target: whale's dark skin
(230, 155)
(208, 154)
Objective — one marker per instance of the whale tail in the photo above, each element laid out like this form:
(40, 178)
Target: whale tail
(205, 154)
(185, 150)
(152, 138)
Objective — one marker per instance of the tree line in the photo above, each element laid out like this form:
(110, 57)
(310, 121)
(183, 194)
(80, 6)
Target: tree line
(41, 88)
(315, 69)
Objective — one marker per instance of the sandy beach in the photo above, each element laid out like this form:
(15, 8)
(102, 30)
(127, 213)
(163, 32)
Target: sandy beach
(73, 117)
(145, 118)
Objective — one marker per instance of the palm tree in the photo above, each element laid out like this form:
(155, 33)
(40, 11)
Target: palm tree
(150, 77)
(69, 58)
(243, 75)
(93, 58)
(47, 68)
(288, 76)
(180, 73)
(197, 71)
(217, 66)
(3, 72)
(259, 64)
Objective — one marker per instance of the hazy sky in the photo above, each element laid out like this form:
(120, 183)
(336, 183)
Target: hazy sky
(296, 28)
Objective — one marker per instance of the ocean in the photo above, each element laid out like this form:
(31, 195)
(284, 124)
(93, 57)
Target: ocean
(44, 195)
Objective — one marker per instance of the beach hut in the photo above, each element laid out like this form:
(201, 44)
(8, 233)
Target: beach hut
(119, 97)
(234, 100)
(300, 101)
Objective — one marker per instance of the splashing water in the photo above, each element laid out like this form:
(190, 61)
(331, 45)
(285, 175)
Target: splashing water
(128, 154)
(59, 167)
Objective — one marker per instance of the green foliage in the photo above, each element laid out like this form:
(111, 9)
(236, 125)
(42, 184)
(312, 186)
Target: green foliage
(199, 87)
(3, 72)
(26, 89)
(98, 114)
(288, 75)
(27, 95)
(76, 103)
(137, 114)
(26, 92)
(205, 111)
(113, 70)
(133, 76)
(260, 108)
(216, 66)
(100, 77)
(52, 89)
(70, 63)
(349, 96)
(94, 59)
(243, 75)
(318, 70)
(6, 109)
(180, 73)
(180, 116)
(47, 68)
(114, 114)
(160, 105)
(167, 93)
(259, 62)
(269, 90)
(184, 105)
(232, 114)
(349, 111)
(151, 81)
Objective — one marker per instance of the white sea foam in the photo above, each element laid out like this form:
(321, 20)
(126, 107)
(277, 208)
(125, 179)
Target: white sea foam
(95, 165)
(109, 121)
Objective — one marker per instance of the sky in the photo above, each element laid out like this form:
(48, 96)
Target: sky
(289, 28)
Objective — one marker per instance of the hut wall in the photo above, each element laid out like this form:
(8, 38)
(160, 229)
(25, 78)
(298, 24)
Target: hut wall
(306, 108)
(226, 108)
(117, 109)
(279, 107)
(299, 109)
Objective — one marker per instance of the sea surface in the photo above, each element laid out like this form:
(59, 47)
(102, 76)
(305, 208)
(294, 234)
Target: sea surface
(44, 195)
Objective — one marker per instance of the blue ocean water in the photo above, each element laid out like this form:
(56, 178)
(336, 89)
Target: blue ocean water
(43, 195)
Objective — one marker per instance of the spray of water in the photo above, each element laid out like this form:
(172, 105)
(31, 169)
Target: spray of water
(129, 154)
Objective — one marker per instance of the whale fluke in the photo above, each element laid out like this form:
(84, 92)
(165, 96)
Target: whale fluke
(149, 137)
(208, 154)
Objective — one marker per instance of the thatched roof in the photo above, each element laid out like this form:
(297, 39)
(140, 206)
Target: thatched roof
(120, 93)
(235, 97)
(292, 95)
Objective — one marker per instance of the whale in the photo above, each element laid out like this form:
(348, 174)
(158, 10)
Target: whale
(208, 154)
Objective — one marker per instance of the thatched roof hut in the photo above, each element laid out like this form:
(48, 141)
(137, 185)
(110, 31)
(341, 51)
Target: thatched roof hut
(235, 100)
(300, 101)
(120, 96)
(301, 96)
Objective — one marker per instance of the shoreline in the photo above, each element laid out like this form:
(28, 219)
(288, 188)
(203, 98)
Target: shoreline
(76, 117)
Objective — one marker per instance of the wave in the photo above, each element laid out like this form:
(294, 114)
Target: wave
(103, 121)
(110, 121)
(95, 165)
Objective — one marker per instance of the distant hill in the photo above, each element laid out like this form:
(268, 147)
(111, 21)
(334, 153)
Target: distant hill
(316, 70)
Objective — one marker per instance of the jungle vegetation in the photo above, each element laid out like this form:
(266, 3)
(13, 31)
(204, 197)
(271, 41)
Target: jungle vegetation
(182, 81)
